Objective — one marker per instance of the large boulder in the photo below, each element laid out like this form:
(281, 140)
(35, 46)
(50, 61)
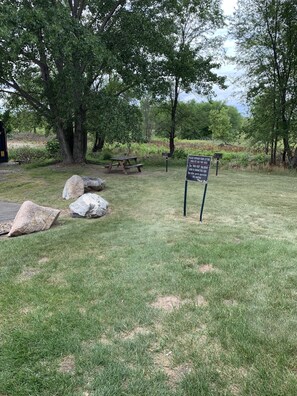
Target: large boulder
(93, 183)
(32, 218)
(74, 187)
(89, 205)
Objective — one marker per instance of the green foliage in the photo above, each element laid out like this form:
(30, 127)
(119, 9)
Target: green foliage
(179, 154)
(219, 124)
(55, 55)
(114, 118)
(106, 155)
(267, 30)
(53, 148)
(26, 154)
(7, 118)
(191, 57)
(193, 119)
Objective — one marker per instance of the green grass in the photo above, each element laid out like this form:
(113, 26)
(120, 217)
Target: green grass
(77, 313)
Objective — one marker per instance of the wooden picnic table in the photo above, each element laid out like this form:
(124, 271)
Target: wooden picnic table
(124, 162)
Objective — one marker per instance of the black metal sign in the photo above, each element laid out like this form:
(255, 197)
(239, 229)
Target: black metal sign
(197, 170)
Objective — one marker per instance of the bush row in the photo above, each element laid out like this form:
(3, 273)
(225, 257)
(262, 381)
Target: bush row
(151, 152)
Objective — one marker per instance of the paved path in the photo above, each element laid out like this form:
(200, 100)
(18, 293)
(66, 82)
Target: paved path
(8, 210)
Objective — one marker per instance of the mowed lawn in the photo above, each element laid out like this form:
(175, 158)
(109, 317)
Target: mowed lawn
(145, 301)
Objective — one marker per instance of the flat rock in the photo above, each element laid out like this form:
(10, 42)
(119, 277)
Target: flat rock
(32, 218)
(89, 205)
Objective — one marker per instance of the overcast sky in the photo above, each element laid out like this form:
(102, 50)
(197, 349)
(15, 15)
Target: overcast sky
(232, 94)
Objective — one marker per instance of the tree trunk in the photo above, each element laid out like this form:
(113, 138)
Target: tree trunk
(63, 135)
(98, 143)
(174, 103)
(294, 159)
(273, 151)
(287, 153)
(73, 139)
(80, 137)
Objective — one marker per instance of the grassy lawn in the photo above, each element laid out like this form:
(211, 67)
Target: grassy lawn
(145, 301)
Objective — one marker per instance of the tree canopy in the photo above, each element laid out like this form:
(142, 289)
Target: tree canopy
(55, 54)
(266, 35)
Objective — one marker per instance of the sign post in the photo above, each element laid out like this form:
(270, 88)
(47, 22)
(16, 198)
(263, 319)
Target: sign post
(166, 155)
(217, 156)
(197, 170)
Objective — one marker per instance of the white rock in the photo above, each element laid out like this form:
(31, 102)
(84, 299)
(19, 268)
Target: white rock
(74, 187)
(32, 218)
(89, 205)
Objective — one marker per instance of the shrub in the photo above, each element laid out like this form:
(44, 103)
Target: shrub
(53, 149)
(180, 154)
(106, 155)
(28, 154)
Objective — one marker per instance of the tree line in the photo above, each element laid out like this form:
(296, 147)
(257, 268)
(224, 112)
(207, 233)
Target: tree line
(266, 34)
(145, 120)
(90, 68)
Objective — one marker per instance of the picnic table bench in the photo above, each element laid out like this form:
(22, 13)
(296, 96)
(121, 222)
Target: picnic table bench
(124, 162)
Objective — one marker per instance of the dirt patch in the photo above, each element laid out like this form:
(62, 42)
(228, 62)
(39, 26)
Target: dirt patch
(137, 331)
(235, 390)
(167, 303)
(67, 365)
(200, 301)
(206, 268)
(43, 260)
(232, 303)
(105, 341)
(58, 280)
(27, 274)
(174, 374)
(26, 310)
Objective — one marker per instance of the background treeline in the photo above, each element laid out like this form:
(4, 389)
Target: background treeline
(122, 121)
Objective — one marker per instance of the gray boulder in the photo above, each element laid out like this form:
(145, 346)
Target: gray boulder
(89, 205)
(32, 218)
(93, 183)
(74, 187)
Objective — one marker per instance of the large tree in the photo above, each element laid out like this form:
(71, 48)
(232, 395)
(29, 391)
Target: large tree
(266, 35)
(191, 58)
(55, 54)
